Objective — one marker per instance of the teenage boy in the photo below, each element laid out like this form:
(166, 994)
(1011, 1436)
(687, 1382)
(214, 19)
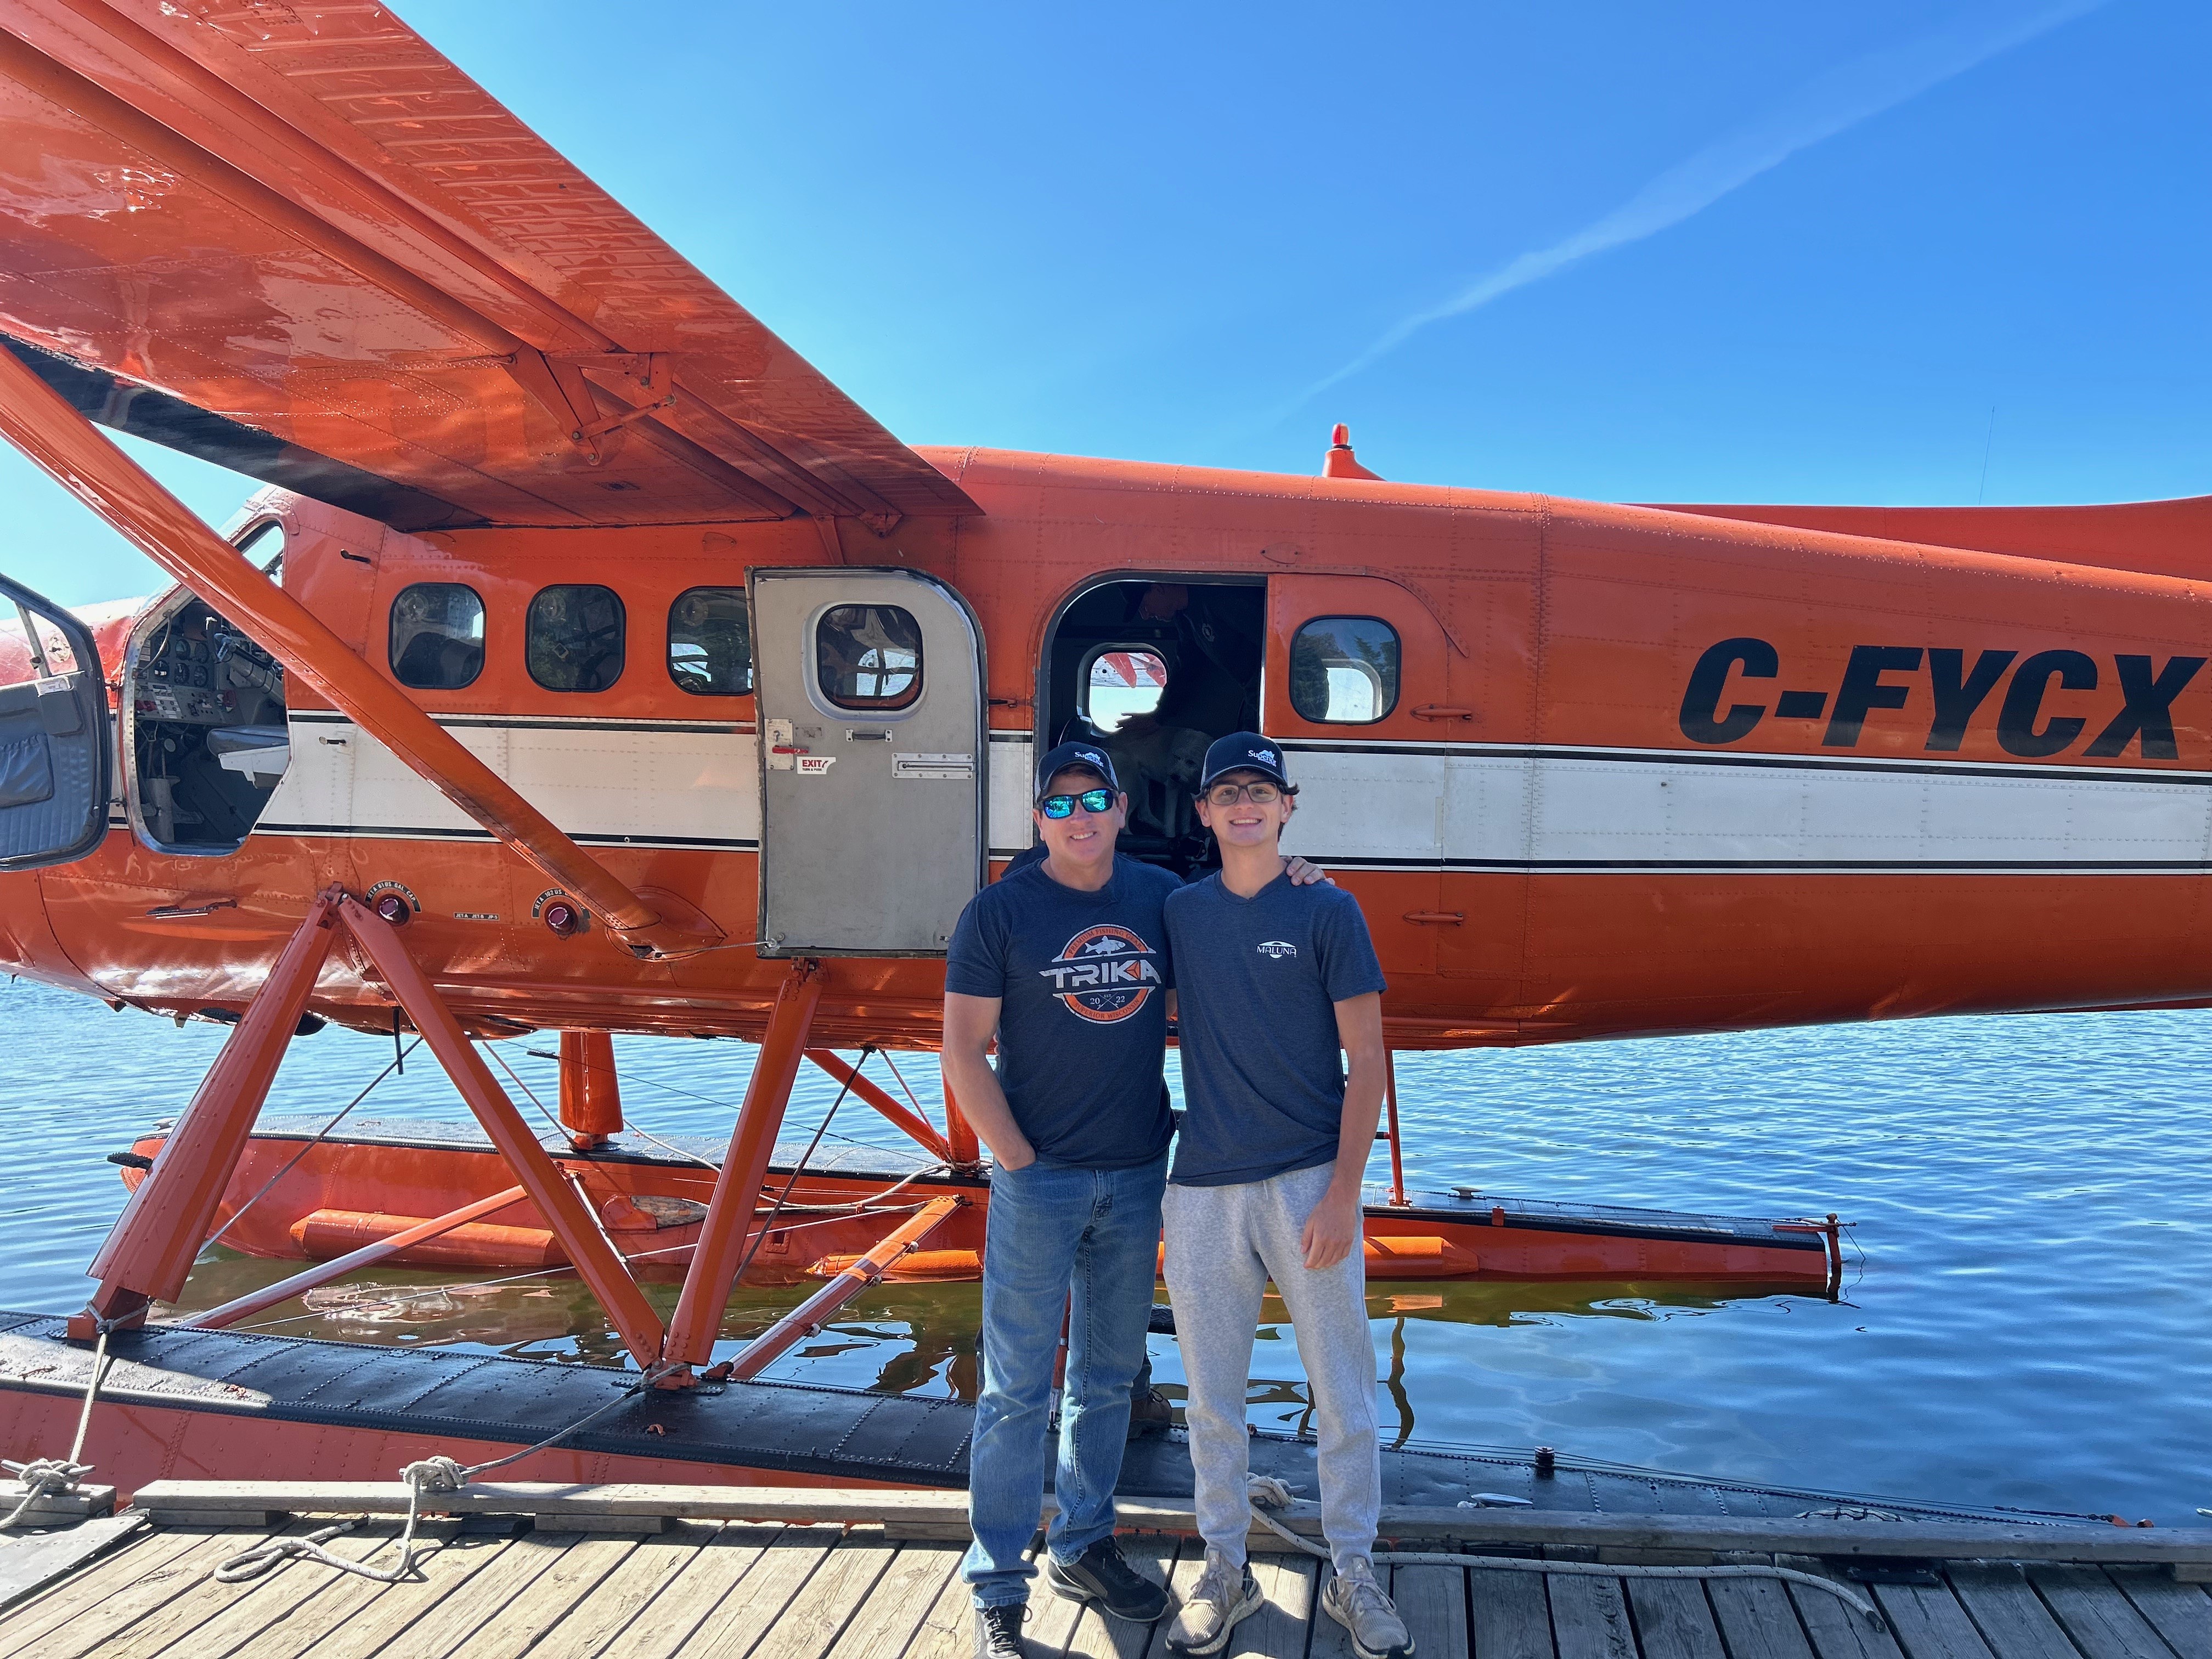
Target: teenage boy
(1276, 981)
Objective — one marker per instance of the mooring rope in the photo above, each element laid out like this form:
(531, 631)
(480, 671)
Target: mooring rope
(1265, 1493)
(43, 1477)
(436, 1476)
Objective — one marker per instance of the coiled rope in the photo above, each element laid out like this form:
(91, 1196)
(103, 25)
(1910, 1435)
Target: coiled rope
(1265, 1493)
(436, 1476)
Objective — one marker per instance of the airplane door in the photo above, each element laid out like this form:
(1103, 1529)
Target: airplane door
(873, 749)
(56, 739)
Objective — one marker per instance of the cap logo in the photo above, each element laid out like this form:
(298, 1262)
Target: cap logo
(1088, 754)
(1277, 948)
(1267, 754)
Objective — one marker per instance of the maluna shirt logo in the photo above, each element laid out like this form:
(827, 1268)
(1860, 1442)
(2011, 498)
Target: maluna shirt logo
(1104, 974)
(1277, 948)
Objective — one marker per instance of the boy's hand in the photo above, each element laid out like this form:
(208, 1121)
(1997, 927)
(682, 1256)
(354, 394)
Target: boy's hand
(1332, 1231)
(1303, 874)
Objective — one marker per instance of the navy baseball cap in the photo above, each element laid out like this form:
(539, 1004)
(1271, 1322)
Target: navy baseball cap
(1244, 752)
(1076, 754)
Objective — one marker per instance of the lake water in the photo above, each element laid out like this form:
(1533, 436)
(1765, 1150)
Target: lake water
(2027, 1313)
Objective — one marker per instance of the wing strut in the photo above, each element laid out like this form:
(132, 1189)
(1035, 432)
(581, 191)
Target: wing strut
(38, 421)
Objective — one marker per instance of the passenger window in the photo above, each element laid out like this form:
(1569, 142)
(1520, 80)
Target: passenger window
(710, 646)
(1122, 681)
(1344, 670)
(437, 635)
(575, 637)
(868, 657)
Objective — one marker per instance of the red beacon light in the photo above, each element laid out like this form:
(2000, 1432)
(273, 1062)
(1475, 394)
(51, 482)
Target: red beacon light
(394, 909)
(563, 918)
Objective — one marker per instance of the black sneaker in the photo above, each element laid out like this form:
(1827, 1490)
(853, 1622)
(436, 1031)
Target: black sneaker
(999, 1632)
(1150, 1414)
(1102, 1574)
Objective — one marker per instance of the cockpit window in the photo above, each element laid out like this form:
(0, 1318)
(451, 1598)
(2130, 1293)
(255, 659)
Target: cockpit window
(576, 637)
(869, 657)
(437, 635)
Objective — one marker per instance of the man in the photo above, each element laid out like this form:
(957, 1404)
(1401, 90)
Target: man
(1064, 959)
(1276, 981)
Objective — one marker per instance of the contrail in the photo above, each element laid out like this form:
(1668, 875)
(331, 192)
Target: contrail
(1825, 105)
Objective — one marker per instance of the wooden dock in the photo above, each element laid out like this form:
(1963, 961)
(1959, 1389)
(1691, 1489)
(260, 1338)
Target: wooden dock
(818, 1585)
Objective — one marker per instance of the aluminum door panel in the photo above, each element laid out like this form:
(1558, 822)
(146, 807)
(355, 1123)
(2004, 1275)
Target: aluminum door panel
(871, 820)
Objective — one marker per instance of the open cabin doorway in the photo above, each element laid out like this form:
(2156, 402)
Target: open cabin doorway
(1153, 670)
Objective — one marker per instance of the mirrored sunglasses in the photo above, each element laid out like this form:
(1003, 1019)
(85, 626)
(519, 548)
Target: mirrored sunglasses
(1063, 806)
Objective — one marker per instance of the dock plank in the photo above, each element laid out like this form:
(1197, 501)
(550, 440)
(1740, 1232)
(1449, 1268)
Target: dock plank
(734, 1625)
(118, 1603)
(1508, 1615)
(2098, 1614)
(1837, 1632)
(554, 1595)
(1281, 1628)
(948, 1629)
(57, 1603)
(448, 1623)
(1327, 1639)
(386, 1607)
(687, 1601)
(1756, 1617)
(613, 1605)
(2010, 1615)
(1589, 1618)
(2182, 1613)
(817, 1615)
(1432, 1601)
(214, 1620)
(1929, 1622)
(1673, 1619)
(1188, 1563)
(886, 1621)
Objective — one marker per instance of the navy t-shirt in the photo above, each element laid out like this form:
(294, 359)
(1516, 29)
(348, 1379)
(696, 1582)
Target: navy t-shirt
(1083, 981)
(1257, 982)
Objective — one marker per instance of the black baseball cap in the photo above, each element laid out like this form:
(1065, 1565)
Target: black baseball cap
(1088, 754)
(1244, 752)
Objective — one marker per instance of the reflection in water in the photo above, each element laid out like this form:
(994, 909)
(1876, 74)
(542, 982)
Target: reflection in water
(896, 1339)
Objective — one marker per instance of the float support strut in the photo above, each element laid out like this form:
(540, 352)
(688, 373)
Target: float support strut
(916, 1127)
(959, 1133)
(721, 1243)
(222, 1318)
(149, 1253)
(578, 1230)
(1398, 1198)
(802, 1321)
(591, 1094)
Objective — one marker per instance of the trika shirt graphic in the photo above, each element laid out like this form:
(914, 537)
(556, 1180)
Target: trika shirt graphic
(1257, 982)
(1082, 980)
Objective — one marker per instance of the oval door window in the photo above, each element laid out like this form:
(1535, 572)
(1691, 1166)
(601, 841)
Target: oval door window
(867, 658)
(1344, 670)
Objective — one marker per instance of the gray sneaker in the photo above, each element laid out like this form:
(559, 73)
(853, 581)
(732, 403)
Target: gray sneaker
(1224, 1595)
(1356, 1601)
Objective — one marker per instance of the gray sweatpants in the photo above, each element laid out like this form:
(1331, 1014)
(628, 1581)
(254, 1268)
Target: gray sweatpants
(1224, 1244)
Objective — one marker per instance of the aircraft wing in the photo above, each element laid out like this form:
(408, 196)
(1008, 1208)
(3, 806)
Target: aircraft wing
(289, 237)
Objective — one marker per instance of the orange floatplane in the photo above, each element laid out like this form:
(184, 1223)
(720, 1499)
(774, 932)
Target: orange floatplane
(592, 665)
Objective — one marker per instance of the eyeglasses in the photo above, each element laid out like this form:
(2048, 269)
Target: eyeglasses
(1228, 794)
(1063, 806)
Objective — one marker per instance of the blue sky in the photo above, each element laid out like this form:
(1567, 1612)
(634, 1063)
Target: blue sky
(1728, 251)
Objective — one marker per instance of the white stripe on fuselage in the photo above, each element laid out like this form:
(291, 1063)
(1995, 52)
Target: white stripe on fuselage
(1363, 804)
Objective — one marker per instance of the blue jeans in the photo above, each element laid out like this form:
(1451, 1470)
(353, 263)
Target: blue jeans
(1054, 1232)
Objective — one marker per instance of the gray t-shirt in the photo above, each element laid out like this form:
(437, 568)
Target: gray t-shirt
(1257, 982)
(1083, 981)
